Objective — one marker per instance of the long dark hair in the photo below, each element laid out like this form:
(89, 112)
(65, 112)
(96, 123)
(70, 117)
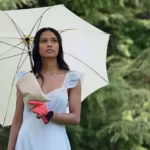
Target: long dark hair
(37, 63)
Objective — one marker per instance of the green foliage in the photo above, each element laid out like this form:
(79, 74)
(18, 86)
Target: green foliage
(14, 4)
(117, 117)
(4, 133)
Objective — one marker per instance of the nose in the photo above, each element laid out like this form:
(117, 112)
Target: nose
(49, 44)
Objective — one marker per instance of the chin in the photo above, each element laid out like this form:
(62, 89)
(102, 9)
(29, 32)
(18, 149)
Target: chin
(49, 56)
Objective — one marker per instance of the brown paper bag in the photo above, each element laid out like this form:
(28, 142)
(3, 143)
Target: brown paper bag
(30, 89)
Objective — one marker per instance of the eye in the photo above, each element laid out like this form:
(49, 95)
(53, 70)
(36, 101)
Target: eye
(43, 41)
(54, 40)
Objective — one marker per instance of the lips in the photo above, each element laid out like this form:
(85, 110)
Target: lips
(49, 51)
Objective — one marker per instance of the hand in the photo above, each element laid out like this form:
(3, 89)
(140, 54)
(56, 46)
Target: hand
(41, 110)
(38, 116)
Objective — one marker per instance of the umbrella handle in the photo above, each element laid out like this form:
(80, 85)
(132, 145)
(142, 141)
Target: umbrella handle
(29, 52)
(31, 62)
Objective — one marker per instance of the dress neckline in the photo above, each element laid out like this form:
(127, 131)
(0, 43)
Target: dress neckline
(57, 88)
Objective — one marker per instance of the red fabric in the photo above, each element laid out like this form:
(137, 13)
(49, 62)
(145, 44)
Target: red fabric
(39, 108)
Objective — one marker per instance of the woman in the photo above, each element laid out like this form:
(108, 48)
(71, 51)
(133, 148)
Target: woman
(61, 86)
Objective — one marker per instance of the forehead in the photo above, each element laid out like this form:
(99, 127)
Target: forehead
(48, 34)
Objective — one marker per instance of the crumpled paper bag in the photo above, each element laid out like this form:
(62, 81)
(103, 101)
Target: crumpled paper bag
(30, 89)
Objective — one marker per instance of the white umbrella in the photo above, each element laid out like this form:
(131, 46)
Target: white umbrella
(85, 48)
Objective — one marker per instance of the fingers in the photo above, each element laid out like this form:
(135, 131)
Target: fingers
(38, 110)
(38, 116)
(35, 102)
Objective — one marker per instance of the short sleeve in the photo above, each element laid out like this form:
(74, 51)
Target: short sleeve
(73, 78)
(21, 74)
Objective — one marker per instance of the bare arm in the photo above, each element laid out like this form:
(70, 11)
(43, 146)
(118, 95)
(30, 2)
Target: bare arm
(17, 121)
(72, 118)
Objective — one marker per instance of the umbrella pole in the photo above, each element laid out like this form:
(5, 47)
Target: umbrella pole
(30, 57)
(29, 52)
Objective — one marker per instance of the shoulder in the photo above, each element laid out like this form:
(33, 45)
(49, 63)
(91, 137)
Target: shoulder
(75, 74)
(21, 74)
(73, 78)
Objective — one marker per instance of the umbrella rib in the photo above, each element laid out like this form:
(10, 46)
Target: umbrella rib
(10, 49)
(37, 28)
(16, 26)
(11, 45)
(13, 56)
(40, 18)
(10, 38)
(35, 25)
(87, 66)
(65, 30)
(22, 63)
(88, 31)
(20, 58)
(12, 88)
(18, 30)
(39, 22)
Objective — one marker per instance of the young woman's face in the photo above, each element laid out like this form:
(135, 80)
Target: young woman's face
(48, 44)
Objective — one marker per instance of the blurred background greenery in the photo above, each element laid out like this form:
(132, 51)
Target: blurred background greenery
(116, 117)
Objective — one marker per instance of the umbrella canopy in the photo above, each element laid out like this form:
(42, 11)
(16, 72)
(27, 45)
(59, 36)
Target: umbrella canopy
(85, 49)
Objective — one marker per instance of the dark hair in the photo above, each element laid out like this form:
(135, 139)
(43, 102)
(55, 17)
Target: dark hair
(37, 66)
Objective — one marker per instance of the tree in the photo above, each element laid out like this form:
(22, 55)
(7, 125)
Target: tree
(117, 117)
(14, 4)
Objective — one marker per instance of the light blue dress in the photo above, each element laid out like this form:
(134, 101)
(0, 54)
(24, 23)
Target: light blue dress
(34, 134)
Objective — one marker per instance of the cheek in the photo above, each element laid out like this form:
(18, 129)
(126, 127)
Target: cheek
(57, 49)
(41, 48)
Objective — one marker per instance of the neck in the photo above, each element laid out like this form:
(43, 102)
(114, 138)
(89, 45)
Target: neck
(49, 65)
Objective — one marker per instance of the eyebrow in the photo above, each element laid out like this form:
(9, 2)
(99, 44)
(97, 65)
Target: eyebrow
(47, 38)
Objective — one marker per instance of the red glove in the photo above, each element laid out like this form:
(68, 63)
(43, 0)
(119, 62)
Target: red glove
(41, 110)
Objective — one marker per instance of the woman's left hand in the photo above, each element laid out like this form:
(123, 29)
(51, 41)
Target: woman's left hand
(38, 116)
(41, 111)
(39, 108)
